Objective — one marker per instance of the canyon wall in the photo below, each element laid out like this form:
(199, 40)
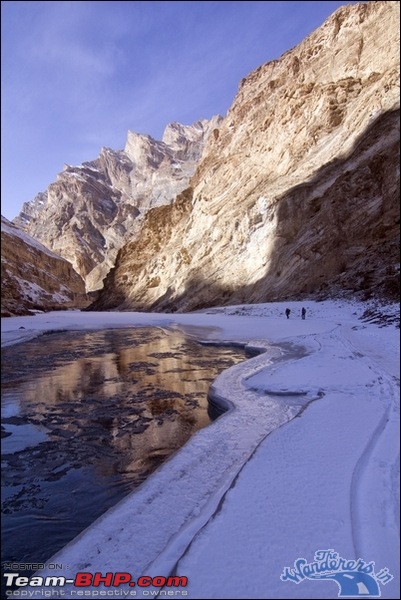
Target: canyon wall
(34, 278)
(89, 212)
(297, 194)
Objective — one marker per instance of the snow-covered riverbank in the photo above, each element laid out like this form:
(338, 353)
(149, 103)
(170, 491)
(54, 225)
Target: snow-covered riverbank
(259, 488)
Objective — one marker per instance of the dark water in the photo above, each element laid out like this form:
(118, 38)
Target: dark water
(86, 417)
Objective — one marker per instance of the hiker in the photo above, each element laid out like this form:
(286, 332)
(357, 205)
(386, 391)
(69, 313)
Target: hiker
(303, 313)
(287, 313)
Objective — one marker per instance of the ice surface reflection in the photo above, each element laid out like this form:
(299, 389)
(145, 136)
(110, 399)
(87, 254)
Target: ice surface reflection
(87, 417)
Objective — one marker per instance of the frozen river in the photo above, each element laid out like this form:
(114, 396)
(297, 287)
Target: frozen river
(86, 417)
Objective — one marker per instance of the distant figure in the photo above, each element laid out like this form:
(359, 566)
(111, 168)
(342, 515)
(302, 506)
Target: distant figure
(303, 313)
(287, 313)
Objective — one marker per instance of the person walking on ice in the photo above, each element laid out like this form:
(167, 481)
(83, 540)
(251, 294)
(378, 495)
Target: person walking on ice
(287, 313)
(303, 313)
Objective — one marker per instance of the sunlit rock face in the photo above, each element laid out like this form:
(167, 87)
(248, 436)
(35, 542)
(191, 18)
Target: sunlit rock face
(34, 278)
(88, 213)
(298, 191)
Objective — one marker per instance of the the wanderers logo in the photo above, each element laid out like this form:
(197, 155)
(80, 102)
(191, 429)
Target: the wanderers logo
(355, 578)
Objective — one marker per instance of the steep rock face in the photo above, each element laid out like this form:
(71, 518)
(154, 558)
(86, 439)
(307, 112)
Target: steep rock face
(92, 209)
(298, 190)
(34, 278)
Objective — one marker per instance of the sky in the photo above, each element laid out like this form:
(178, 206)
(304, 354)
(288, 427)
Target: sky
(77, 75)
(307, 460)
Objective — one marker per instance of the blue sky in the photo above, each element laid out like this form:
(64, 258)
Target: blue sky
(77, 76)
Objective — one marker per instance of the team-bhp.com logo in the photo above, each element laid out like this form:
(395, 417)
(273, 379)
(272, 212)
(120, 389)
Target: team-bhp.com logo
(93, 580)
(355, 578)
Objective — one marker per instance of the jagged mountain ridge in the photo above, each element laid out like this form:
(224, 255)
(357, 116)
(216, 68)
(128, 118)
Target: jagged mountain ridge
(298, 192)
(34, 278)
(88, 213)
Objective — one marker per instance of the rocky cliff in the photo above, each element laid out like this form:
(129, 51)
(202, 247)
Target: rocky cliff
(297, 193)
(33, 278)
(92, 209)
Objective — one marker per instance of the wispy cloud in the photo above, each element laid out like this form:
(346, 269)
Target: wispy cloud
(70, 34)
(77, 75)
